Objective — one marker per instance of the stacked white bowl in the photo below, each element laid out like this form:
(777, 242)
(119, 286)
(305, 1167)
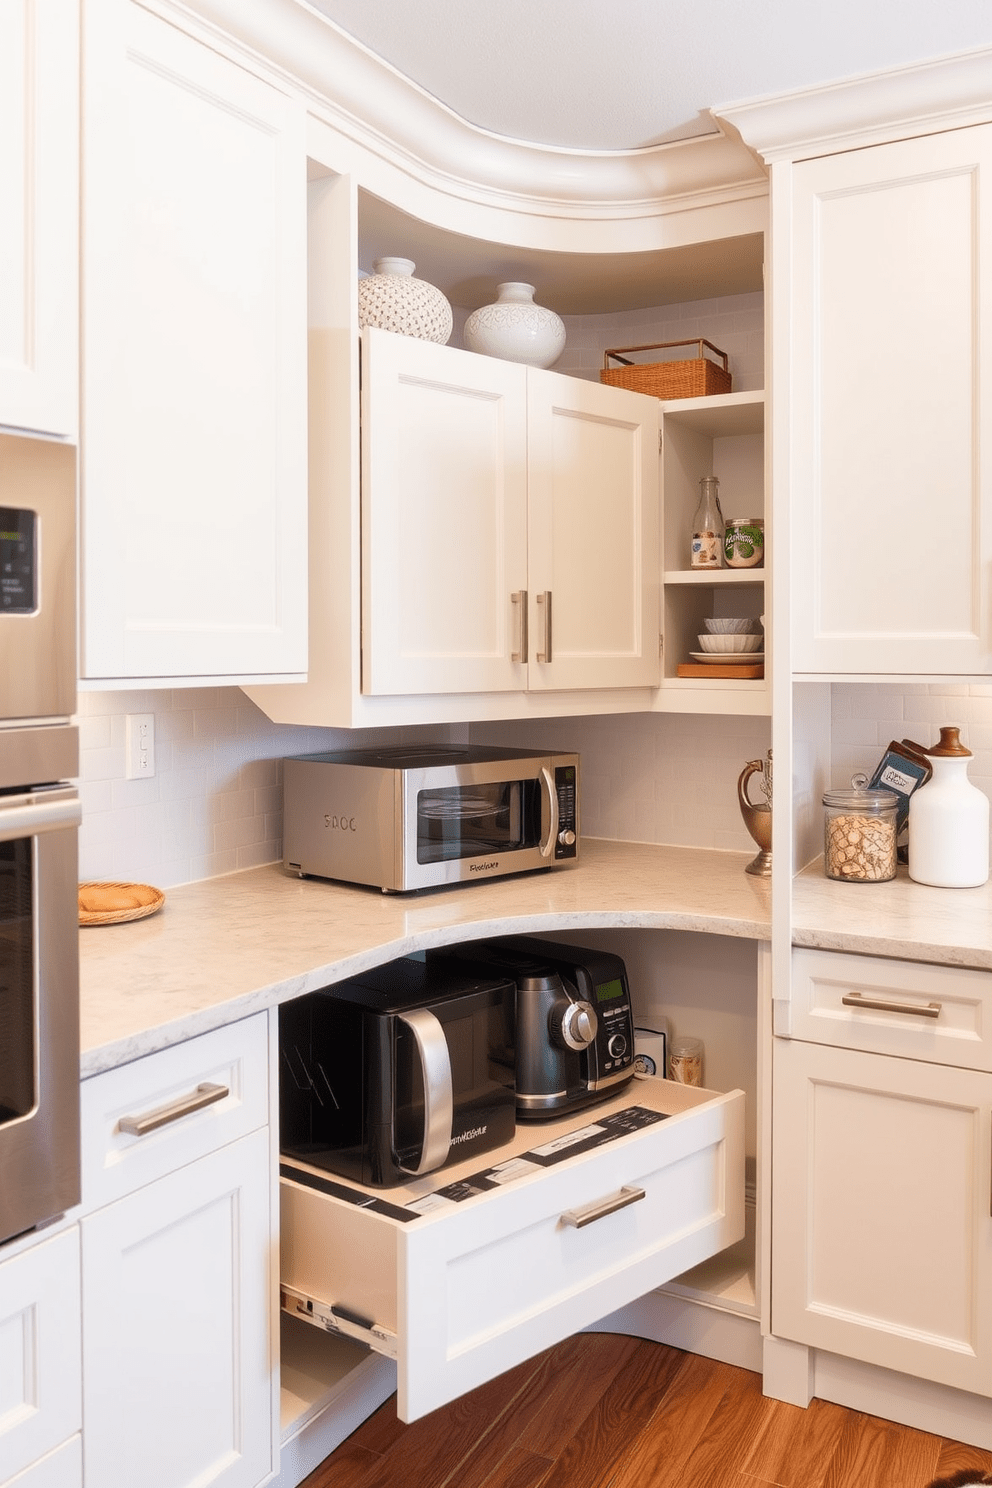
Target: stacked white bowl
(726, 637)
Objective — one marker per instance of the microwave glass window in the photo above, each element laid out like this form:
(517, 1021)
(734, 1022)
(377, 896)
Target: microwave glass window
(469, 821)
(17, 1030)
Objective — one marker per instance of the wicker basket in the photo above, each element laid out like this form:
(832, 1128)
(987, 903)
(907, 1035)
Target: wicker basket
(693, 377)
(116, 903)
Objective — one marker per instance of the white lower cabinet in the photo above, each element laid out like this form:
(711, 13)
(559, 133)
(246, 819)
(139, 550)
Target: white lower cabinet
(880, 1210)
(177, 1270)
(40, 1380)
(459, 1290)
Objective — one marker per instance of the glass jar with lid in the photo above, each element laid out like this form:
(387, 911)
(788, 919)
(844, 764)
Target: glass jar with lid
(859, 833)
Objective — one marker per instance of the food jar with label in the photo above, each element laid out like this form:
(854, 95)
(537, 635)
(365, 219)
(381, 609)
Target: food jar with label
(859, 838)
(744, 542)
(685, 1060)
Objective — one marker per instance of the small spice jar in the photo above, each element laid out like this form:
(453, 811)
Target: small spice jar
(744, 542)
(859, 836)
(685, 1060)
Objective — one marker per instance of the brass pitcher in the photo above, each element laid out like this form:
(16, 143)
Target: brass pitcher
(758, 819)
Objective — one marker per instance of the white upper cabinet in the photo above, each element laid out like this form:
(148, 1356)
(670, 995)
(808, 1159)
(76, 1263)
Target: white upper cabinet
(39, 215)
(510, 526)
(891, 315)
(194, 360)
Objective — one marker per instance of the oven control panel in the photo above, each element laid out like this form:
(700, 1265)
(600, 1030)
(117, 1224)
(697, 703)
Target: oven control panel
(18, 561)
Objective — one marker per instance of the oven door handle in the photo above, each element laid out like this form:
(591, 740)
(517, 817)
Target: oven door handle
(435, 1069)
(34, 816)
(548, 789)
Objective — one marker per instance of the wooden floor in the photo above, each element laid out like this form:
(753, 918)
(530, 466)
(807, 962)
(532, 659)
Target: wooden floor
(604, 1411)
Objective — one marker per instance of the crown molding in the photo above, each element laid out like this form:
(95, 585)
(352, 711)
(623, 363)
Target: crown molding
(376, 108)
(944, 93)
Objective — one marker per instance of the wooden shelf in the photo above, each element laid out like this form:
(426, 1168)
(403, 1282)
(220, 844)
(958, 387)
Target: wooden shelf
(706, 577)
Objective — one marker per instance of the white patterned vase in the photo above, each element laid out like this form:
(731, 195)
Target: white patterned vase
(516, 329)
(393, 300)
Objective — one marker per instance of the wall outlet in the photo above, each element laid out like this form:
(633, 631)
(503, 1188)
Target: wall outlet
(139, 734)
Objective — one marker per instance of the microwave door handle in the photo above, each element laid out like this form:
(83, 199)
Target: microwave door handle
(548, 789)
(435, 1068)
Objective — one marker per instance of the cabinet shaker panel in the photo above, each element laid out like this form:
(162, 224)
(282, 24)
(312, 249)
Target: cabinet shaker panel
(194, 478)
(891, 258)
(39, 215)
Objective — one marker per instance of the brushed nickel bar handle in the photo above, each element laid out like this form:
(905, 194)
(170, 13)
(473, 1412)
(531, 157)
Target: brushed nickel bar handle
(546, 655)
(579, 1218)
(882, 1005)
(203, 1095)
(520, 599)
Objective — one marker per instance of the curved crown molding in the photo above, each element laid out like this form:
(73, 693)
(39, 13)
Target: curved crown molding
(374, 105)
(944, 93)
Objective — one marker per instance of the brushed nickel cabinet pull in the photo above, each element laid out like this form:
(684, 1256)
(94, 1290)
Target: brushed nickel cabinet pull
(545, 600)
(883, 1005)
(203, 1095)
(579, 1218)
(520, 600)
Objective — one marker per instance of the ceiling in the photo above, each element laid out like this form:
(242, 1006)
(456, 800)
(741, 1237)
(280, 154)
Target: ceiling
(594, 76)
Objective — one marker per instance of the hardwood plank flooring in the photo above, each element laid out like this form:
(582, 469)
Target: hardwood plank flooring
(605, 1411)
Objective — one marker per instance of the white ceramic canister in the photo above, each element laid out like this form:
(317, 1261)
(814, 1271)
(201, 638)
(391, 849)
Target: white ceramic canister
(515, 328)
(949, 820)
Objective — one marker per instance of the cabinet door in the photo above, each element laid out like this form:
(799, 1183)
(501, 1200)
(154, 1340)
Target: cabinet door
(40, 1373)
(891, 263)
(39, 215)
(880, 1212)
(593, 521)
(176, 1346)
(444, 525)
(194, 463)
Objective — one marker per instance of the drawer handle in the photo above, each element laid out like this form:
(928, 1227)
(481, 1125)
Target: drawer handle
(578, 1218)
(203, 1095)
(926, 1010)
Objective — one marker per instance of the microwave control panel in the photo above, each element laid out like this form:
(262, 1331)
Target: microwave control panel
(566, 841)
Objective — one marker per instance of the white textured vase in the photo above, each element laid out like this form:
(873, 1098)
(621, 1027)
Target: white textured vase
(516, 329)
(394, 300)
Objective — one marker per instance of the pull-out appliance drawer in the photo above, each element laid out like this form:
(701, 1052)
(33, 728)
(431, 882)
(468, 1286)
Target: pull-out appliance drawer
(465, 1273)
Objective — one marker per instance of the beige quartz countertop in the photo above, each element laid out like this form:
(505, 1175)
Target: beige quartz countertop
(899, 918)
(227, 947)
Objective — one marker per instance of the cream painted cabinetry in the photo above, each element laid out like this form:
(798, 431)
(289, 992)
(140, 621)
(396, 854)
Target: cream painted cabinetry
(882, 1168)
(177, 1266)
(39, 215)
(40, 1366)
(510, 526)
(194, 358)
(887, 252)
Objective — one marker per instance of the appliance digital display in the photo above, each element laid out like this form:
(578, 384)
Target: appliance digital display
(18, 562)
(609, 991)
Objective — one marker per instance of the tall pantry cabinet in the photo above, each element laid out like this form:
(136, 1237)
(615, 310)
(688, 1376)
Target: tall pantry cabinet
(890, 311)
(39, 206)
(193, 471)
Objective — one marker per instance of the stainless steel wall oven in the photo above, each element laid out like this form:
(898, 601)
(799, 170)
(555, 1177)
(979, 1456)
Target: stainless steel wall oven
(39, 822)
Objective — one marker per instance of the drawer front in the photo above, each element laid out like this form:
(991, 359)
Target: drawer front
(40, 1353)
(466, 1292)
(151, 1117)
(939, 1014)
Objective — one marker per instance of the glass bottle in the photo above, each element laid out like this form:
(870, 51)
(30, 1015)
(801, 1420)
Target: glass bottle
(707, 526)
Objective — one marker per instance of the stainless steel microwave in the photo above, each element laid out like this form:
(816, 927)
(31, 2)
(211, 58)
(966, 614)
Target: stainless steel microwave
(417, 818)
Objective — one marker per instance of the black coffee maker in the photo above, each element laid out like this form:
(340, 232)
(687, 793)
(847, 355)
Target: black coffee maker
(574, 1023)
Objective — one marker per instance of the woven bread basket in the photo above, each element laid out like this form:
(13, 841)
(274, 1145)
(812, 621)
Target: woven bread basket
(114, 903)
(686, 377)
